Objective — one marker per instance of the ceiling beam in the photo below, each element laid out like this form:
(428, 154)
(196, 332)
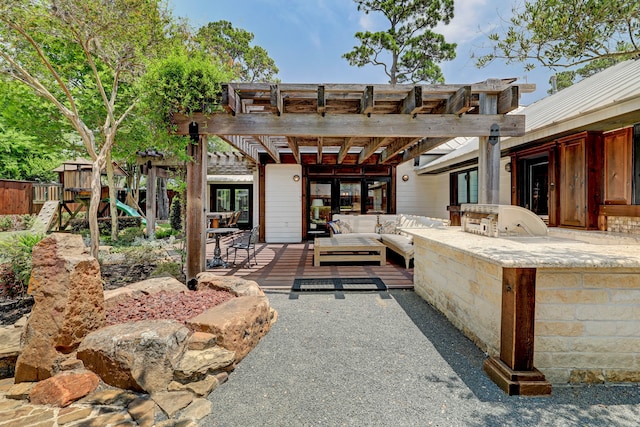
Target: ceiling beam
(347, 125)
(319, 159)
(423, 146)
(295, 149)
(246, 148)
(370, 148)
(230, 99)
(398, 145)
(412, 103)
(344, 150)
(269, 147)
(276, 99)
(482, 87)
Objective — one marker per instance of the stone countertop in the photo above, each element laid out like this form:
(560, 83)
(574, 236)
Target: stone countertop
(557, 250)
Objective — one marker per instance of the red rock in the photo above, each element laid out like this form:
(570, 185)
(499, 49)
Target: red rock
(238, 323)
(69, 303)
(64, 389)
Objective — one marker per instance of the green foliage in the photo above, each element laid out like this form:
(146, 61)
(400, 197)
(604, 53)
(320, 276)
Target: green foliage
(6, 223)
(173, 269)
(232, 46)
(408, 50)
(129, 235)
(566, 33)
(175, 216)
(16, 251)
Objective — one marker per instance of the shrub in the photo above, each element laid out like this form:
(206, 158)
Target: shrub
(17, 252)
(27, 221)
(175, 215)
(129, 235)
(6, 223)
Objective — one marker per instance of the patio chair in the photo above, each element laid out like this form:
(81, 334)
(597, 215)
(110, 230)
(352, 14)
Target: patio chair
(246, 241)
(233, 221)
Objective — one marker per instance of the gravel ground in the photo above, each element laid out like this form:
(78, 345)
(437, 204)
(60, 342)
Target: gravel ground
(388, 359)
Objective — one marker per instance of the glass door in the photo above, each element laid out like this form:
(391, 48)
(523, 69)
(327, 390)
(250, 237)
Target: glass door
(350, 197)
(319, 207)
(377, 197)
(231, 198)
(242, 205)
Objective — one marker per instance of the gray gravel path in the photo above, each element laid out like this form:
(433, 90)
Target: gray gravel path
(388, 359)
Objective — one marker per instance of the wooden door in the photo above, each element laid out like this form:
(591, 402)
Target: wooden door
(573, 197)
(617, 167)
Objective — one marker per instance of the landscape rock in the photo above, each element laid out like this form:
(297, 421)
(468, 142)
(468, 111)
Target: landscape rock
(9, 350)
(238, 323)
(158, 284)
(195, 364)
(69, 304)
(236, 285)
(143, 411)
(114, 296)
(138, 356)
(201, 341)
(197, 410)
(199, 388)
(20, 391)
(64, 389)
(172, 401)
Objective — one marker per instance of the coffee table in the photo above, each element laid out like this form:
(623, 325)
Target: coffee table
(327, 249)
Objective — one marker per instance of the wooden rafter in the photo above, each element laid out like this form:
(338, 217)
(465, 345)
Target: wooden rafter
(276, 99)
(398, 145)
(371, 148)
(508, 100)
(344, 149)
(412, 104)
(367, 103)
(460, 102)
(269, 147)
(319, 160)
(295, 149)
(240, 144)
(423, 146)
(230, 100)
(322, 102)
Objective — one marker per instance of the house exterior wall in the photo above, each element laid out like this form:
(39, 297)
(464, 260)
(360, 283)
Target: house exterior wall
(283, 204)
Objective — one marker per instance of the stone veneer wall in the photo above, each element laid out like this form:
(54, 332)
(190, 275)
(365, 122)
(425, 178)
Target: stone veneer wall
(587, 326)
(623, 224)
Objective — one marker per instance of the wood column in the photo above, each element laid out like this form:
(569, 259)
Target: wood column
(514, 372)
(196, 217)
(151, 202)
(489, 153)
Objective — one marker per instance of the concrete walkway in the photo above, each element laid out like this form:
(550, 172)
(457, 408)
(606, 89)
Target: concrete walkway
(388, 359)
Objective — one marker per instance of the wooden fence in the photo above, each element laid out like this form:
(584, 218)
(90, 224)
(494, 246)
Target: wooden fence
(25, 197)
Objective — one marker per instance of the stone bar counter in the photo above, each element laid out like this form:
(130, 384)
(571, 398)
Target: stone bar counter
(582, 290)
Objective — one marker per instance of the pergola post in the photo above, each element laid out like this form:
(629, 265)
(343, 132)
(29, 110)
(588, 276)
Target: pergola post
(196, 206)
(489, 153)
(151, 201)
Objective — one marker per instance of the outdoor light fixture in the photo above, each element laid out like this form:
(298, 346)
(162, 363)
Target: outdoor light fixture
(296, 177)
(405, 178)
(507, 167)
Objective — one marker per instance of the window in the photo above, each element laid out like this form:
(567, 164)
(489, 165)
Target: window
(464, 187)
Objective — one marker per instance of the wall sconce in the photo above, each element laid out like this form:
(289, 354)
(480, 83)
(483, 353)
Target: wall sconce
(296, 178)
(507, 167)
(405, 178)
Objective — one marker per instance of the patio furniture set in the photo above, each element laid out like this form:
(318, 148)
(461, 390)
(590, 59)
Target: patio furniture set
(245, 241)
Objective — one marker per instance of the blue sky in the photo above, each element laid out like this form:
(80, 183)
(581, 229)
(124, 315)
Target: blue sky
(307, 38)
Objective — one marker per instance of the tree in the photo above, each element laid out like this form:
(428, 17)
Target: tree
(409, 50)
(564, 79)
(232, 47)
(567, 33)
(83, 56)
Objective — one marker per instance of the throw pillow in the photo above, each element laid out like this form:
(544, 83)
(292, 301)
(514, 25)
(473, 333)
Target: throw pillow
(335, 227)
(345, 227)
(388, 227)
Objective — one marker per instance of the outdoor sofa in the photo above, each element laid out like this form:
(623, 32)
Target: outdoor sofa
(386, 228)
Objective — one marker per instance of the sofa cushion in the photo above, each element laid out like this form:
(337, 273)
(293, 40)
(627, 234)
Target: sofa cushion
(340, 227)
(400, 242)
(346, 236)
(388, 227)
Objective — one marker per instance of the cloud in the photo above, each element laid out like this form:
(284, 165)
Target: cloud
(473, 19)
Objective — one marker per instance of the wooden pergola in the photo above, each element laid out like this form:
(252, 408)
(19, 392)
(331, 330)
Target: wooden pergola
(346, 124)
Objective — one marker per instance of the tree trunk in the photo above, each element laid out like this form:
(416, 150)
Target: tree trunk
(96, 190)
(113, 198)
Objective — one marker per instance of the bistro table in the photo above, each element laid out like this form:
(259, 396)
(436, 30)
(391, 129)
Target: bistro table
(213, 218)
(217, 260)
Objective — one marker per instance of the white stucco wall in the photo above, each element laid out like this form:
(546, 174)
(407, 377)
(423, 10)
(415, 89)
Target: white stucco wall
(283, 204)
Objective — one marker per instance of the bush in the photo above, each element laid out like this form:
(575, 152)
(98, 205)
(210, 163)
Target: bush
(6, 223)
(78, 226)
(27, 221)
(17, 252)
(129, 235)
(175, 215)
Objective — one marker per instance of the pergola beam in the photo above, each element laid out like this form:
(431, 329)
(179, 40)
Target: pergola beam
(269, 147)
(400, 144)
(319, 159)
(344, 149)
(322, 101)
(378, 125)
(292, 142)
(508, 100)
(370, 148)
(423, 146)
(367, 103)
(276, 99)
(460, 102)
(412, 104)
(243, 146)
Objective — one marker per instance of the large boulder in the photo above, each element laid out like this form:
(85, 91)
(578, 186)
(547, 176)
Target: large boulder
(68, 305)
(238, 323)
(138, 356)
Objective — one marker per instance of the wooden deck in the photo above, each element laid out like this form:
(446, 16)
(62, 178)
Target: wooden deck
(279, 264)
